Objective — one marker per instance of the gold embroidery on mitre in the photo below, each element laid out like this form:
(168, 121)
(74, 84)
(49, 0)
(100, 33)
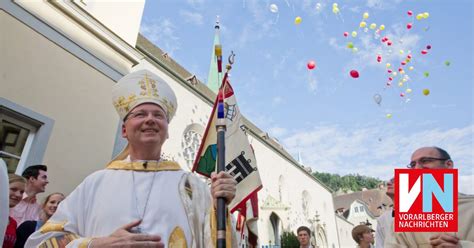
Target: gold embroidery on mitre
(123, 104)
(177, 239)
(148, 87)
(53, 227)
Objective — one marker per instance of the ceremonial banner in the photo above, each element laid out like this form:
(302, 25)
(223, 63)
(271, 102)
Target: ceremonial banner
(239, 156)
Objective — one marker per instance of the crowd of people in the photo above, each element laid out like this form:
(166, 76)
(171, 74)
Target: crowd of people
(26, 214)
(161, 205)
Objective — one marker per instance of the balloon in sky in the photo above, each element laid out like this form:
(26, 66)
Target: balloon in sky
(311, 65)
(408, 90)
(318, 6)
(426, 15)
(419, 17)
(428, 47)
(354, 74)
(402, 94)
(411, 68)
(447, 63)
(410, 12)
(409, 26)
(426, 92)
(354, 34)
(424, 52)
(388, 116)
(335, 9)
(426, 74)
(365, 15)
(273, 8)
(373, 26)
(346, 34)
(378, 98)
(298, 20)
(362, 24)
(382, 27)
(350, 45)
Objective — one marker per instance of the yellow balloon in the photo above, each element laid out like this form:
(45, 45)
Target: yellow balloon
(354, 34)
(402, 72)
(382, 27)
(362, 24)
(388, 116)
(388, 65)
(298, 20)
(366, 15)
(335, 10)
(411, 68)
(355, 49)
(426, 92)
(401, 51)
(408, 90)
(419, 17)
(373, 26)
(334, 5)
(426, 15)
(400, 84)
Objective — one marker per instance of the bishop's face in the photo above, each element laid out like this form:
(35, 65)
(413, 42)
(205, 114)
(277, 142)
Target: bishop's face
(146, 125)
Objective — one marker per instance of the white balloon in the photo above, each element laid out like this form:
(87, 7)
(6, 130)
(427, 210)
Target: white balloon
(273, 8)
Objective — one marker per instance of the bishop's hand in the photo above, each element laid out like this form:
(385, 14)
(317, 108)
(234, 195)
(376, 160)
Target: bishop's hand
(223, 185)
(124, 237)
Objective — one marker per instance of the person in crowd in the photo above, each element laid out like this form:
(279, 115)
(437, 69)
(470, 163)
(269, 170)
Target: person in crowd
(141, 199)
(363, 235)
(30, 226)
(437, 158)
(304, 237)
(385, 221)
(16, 188)
(36, 181)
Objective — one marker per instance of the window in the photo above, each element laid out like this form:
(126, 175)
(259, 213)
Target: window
(24, 136)
(356, 209)
(361, 208)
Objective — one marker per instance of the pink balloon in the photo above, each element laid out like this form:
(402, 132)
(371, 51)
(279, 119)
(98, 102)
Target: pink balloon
(354, 74)
(346, 34)
(410, 12)
(389, 43)
(409, 56)
(404, 62)
(409, 26)
(311, 64)
(390, 78)
(402, 94)
(389, 71)
(424, 52)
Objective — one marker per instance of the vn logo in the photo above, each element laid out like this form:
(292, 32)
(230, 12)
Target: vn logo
(426, 200)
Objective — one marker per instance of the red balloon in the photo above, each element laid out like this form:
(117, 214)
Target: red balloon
(409, 56)
(354, 74)
(424, 52)
(404, 62)
(390, 78)
(389, 71)
(410, 13)
(389, 43)
(402, 94)
(428, 47)
(409, 25)
(311, 64)
(346, 34)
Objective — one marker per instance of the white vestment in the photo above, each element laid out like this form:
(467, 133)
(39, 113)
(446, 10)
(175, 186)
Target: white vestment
(171, 203)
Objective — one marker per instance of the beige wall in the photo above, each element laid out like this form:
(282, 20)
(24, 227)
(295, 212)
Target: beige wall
(43, 77)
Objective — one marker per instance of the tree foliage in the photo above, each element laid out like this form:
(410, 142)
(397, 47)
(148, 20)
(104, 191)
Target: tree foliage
(289, 240)
(347, 182)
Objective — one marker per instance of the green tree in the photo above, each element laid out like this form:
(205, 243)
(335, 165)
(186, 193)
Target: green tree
(347, 182)
(289, 240)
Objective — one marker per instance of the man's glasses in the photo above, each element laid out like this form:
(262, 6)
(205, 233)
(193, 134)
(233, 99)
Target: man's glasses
(140, 115)
(424, 160)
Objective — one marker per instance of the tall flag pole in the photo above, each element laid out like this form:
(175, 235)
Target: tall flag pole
(225, 138)
(221, 129)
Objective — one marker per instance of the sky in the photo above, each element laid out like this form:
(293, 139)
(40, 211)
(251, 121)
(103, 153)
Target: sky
(324, 114)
